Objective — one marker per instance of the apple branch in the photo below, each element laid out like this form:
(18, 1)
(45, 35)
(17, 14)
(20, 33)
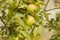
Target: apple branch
(52, 9)
(46, 5)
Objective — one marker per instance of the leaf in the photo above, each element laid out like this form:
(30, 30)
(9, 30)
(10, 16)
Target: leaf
(16, 38)
(41, 29)
(19, 35)
(36, 31)
(23, 6)
(11, 13)
(11, 37)
(18, 15)
(12, 4)
(3, 6)
(16, 19)
(26, 34)
(21, 22)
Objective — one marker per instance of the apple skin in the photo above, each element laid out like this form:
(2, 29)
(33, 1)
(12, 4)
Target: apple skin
(31, 8)
(30, 20)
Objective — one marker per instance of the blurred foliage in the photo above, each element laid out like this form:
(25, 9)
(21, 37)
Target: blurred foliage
(24, 20)
(57, 3)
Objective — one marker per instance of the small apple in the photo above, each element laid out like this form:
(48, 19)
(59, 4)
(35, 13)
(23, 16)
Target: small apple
(30, 20)
(31, 8)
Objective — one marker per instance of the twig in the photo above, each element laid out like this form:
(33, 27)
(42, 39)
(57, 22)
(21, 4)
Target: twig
(5, 25)
(52, 9)
(2, 21)
(46, 5)
(32, 30)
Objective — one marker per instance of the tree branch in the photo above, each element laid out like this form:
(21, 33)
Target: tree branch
(52, 9)
(46, 5)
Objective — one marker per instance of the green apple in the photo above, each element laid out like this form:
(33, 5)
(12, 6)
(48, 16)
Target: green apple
(30, 20)
(31, 8)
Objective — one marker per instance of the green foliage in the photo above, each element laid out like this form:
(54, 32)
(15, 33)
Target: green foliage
(24, 22)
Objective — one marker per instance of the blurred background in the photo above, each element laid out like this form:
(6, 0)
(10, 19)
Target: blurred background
(52, 4)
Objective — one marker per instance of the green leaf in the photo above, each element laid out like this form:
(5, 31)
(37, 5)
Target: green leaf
(23, 6)
(11, 37)
(18, 15)
(11, 13)
(21, 22)
(36, 31)
(12, 4)
(41, 29)
(3, 6)
(26, 34)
